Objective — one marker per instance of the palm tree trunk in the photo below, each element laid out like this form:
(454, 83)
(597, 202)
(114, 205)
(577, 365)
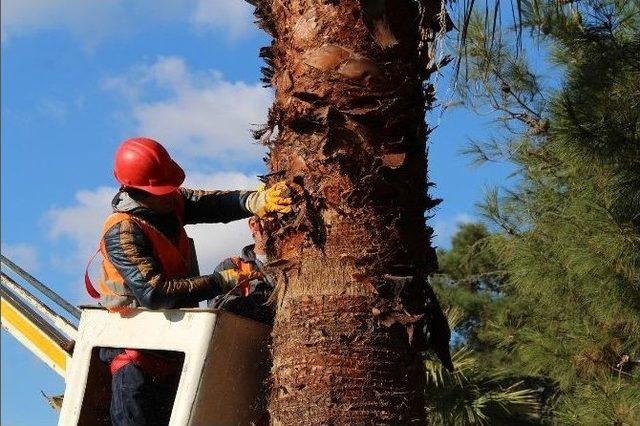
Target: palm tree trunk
(347, 132)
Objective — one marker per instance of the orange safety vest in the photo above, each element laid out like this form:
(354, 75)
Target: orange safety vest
(176, 261)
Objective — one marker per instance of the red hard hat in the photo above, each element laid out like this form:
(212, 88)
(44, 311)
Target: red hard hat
(144, 164)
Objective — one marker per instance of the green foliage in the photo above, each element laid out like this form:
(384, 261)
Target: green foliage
(472, 395)
(470, 281)
(468, 257)
(480, 390)
(569, 250)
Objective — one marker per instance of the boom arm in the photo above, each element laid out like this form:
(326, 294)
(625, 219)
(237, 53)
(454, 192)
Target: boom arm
(34, 324)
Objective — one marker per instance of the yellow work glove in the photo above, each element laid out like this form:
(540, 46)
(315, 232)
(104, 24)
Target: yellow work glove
(270, 200)
(233, 277)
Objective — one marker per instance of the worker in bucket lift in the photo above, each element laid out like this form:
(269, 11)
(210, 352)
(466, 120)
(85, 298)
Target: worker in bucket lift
(148, 261)
(248, 298)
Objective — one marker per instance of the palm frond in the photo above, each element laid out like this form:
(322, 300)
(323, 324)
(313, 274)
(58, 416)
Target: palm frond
(470, 395)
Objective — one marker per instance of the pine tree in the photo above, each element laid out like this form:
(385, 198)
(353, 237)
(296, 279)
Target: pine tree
(483, 389)
(570, 242)
(470, 280)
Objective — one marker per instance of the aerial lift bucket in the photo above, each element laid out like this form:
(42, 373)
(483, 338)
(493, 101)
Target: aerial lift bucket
(224, 358)
(222, 377)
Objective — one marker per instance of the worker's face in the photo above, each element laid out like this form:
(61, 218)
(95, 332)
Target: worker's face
(256, 230)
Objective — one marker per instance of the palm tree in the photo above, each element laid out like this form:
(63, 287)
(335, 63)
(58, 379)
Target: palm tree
(347, 133)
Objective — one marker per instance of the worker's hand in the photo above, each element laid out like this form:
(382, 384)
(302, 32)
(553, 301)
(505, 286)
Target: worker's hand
(233, 277)
(270, 200)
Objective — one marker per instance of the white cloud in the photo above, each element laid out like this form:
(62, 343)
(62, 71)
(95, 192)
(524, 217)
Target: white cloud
(224, 181)
(198, 115)
(216, 242)
(232, 15)
(23, 255)
(92, 21)
(445, 228)
(80, 223)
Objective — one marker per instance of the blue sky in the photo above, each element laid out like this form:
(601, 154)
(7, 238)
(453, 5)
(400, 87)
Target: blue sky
(79, 76)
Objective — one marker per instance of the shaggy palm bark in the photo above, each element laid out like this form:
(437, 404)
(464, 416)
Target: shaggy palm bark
(351, 142)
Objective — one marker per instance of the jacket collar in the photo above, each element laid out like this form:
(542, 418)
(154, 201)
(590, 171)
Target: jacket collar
(126, 201)
(123, 203)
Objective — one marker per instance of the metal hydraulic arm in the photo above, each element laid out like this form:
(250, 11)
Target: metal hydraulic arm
(33, 323)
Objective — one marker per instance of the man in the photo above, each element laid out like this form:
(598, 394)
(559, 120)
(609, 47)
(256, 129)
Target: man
(149, 262)
(249, 298)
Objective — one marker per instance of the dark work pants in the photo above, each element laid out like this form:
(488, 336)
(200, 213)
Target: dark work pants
(129, 390)
(136, 398)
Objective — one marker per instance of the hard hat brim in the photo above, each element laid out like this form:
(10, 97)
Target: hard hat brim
(177, 177)
(157, 190)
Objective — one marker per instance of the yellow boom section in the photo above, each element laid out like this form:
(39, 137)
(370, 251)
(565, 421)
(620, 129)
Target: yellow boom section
(34, 333)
